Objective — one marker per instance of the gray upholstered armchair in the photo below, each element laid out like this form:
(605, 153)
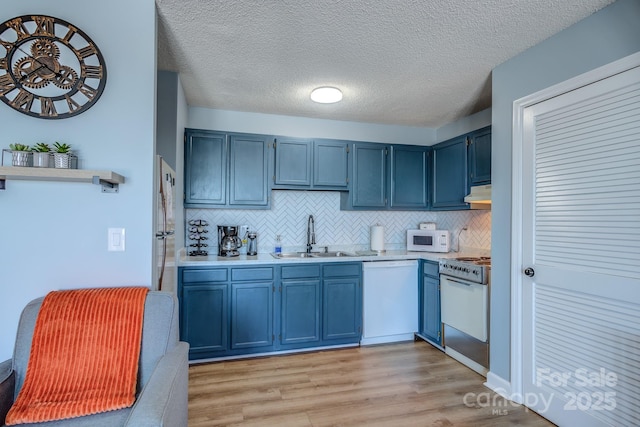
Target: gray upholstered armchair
(162, 376)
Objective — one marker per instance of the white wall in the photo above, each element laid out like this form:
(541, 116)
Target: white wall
(54, 235)
(464, 125)
(302, 127)
(608, 35)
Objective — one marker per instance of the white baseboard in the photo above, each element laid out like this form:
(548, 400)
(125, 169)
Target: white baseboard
(500, 386)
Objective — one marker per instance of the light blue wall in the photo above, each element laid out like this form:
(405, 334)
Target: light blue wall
(302, 127)
(54, 235)
(167, 112)
(608, 35)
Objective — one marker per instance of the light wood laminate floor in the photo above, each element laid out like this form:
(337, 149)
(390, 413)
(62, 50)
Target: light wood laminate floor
(406, 384)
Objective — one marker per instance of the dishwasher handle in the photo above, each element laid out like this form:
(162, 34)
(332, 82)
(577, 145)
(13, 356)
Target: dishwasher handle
(367, 265)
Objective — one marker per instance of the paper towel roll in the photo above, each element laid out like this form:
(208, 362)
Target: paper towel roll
(377, 238)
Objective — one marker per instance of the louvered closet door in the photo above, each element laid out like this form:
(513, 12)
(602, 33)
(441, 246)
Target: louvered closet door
(581, 223)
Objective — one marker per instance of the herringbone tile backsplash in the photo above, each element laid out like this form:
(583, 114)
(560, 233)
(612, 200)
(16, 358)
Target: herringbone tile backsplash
(335, 228)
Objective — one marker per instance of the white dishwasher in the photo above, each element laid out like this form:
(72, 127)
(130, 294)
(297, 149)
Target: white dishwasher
(390, 301)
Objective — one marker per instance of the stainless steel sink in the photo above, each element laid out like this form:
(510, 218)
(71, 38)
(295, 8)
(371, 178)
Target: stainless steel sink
(290, 255)
(332, 254)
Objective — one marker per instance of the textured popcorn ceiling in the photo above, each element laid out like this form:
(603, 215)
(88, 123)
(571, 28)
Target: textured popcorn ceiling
(406, 62)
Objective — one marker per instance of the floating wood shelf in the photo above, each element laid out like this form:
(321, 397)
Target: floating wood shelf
(108, 179)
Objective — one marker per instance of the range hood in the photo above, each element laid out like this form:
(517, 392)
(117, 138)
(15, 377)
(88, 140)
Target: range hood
(479, 197)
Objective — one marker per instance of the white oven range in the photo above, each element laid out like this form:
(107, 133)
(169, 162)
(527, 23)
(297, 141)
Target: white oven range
(464, 287)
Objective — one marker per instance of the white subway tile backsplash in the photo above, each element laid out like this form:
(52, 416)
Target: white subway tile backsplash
(290, 210)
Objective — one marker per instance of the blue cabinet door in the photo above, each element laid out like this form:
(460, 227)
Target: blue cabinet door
(480, 157)
(204, 319)
(450, 183)
(330, 164)
(409, 177)
(252, 315)
(341, 310)
(430, 324)
(205, 168)
(249, 170)
(293, 162)
(300, 312)
(369, 176)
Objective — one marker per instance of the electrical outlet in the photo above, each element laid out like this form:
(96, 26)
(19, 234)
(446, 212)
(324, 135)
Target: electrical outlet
(115, 240)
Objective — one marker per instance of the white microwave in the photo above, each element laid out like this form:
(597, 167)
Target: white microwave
(428, 240)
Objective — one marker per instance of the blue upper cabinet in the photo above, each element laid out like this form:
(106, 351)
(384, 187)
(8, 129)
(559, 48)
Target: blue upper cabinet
(205, 168)
(226, 170)
(450, 183)
(330, 164)
(458, 164)
(388, 177)
(249, 170)
(293, 163)
(480, 157)
(369, 171)
(410, 166)
(305, 164)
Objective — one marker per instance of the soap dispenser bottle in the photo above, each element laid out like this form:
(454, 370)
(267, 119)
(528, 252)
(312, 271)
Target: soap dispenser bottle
(278, 246)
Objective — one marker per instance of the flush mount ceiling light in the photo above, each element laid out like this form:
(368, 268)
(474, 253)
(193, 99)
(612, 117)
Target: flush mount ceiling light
(326, 95)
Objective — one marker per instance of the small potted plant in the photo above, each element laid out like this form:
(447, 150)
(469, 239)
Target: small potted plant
(41, 155)
(61, 155)
(20, 154)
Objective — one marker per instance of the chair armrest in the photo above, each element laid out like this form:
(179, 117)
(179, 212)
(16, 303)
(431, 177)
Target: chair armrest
(7, 388)
(163, 400)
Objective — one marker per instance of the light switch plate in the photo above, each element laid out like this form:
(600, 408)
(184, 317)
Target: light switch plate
(115, 240)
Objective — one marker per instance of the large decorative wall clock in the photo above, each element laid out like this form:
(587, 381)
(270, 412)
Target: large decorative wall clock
(50, 69)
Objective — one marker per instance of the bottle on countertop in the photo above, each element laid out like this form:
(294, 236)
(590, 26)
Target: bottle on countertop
(278, 247)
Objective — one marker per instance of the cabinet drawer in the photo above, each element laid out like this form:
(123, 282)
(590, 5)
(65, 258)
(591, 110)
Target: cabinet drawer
(208, 275)
(342, 269)
(299, 271)
(244, 274)
(431, 268)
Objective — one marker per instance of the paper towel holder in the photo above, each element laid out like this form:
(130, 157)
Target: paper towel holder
(377, 238)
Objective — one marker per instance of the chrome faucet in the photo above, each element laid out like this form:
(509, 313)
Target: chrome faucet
(311, 233)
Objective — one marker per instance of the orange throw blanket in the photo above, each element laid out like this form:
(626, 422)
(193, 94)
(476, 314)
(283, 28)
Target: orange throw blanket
(84, 355)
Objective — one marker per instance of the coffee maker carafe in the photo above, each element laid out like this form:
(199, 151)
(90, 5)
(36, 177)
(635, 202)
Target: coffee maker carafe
(228, 240)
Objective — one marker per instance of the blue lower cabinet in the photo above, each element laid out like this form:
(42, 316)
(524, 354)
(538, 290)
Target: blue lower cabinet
(341, 310)
(241, 310)
(252, 316)
(430, 320)
(300, 312)
(204, 319)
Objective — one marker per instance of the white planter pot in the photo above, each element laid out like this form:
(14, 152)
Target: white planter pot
(20, 158)
(61, 160)
(41, 160)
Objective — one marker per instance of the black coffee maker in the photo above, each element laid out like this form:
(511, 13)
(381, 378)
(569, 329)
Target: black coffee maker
(228, 240)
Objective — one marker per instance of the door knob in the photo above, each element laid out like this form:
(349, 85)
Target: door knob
(529, 271)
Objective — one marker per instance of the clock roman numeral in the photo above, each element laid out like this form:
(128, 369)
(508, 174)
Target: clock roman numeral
(93, 71)
(6, 45)
(18, 26)
(3, 63)
(86, 51)
(44, 26)
(70, 33)
(47, 108)
(73, 105)
(23, 100)
(87, 91)
(6, 84)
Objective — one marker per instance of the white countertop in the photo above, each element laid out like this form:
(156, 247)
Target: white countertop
(267, 258)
